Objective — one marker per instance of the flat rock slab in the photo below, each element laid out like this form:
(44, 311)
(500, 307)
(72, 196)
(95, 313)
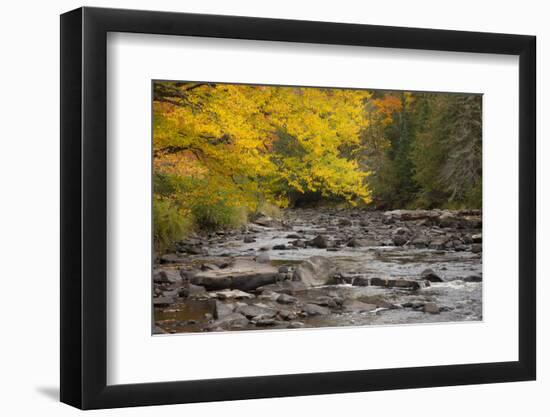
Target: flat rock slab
(244, 275)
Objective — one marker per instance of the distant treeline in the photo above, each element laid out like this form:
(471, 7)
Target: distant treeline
(223, 152)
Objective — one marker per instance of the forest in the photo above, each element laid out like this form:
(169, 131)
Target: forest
(225, 153)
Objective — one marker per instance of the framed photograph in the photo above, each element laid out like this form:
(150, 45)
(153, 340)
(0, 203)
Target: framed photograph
(260, 208)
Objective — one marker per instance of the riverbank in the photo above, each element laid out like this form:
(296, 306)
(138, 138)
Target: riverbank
(324, 267)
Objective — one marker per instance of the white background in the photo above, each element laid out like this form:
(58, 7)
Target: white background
(133, 60)
(29, 221)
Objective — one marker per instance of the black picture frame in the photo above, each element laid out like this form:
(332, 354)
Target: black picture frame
(84, 207)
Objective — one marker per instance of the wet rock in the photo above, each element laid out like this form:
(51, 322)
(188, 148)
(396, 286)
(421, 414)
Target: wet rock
(296, 325)
(222, 310)
(314, 271)
(431, 308)
(283, 247)
(472, 278)
(285, 269)
(255, 311)
(286, 299)
(315, 310)
(319, 241)
(298, 243)
(477, 248)
(231, 321)
(354, 243)
(430, 275)
(293, 236)
(354, 306)
(243, 275)
(360, 281)
(249, 239)
(399, 283)
(476, 238)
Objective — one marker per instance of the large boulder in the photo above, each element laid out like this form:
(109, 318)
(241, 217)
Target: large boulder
(315, 271)
(244, 275)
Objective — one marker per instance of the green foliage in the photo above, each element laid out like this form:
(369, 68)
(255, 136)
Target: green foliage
(169, 225)
(219, 214)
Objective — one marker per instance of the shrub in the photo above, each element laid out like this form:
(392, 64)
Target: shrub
(213, 214)
(170, 224)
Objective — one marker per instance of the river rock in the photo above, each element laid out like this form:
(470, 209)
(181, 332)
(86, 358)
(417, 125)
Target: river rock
(193, 291)
(399, 283)
(472, 278)
(319, 241)
(286, 299)
(438, 243)
(315, 310)
(360, 281)
(231, 321)
(222, 310)
(431, 308)
(243, 275)
(255, 311)
(314, 271)
(166, 276)
(476, 238)
(249, 239)
(477, 248)
(430, 275)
